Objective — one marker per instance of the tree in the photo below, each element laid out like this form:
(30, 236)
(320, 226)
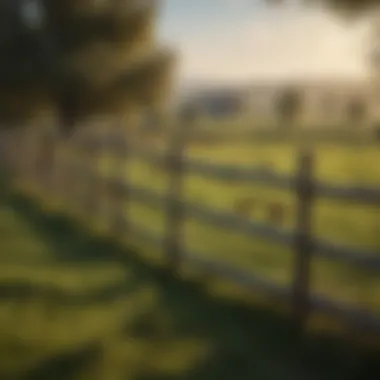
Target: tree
(354, 8)
(288, 105)
(356, 110)
(79, 58)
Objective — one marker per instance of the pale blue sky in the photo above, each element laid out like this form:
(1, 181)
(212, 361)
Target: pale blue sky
(236, 40)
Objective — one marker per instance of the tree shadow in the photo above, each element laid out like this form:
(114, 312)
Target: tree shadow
(55, 230)
(233, 341)
(247, 342)
(70, 247)
(65, 366)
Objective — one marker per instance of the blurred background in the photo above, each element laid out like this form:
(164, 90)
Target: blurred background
(189, 189)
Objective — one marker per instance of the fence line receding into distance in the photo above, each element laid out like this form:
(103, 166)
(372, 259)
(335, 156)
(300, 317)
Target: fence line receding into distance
(307, 189)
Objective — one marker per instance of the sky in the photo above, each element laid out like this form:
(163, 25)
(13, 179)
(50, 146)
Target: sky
(240, 40)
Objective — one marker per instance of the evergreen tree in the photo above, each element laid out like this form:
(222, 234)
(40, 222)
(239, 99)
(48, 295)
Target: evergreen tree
(79, 58)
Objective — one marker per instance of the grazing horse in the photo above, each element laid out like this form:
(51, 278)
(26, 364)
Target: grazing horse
(276, 213)
(244, 206)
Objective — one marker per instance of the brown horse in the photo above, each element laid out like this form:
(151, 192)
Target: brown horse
(244, 206)
(276, 213)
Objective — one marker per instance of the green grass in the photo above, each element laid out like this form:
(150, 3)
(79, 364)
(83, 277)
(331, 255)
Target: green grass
(47, 292)
(346, 223)
(149, 325)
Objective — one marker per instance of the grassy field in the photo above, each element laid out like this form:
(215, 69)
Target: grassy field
(349, 224)
(56, 294)
(75, 307)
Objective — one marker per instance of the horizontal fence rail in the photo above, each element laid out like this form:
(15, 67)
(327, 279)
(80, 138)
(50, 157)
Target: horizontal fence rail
(261, 175)
(115, 192)
(247, 279)
(333, 251)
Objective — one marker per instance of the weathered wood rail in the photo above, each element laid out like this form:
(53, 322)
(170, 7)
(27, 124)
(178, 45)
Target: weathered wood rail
(305, 245)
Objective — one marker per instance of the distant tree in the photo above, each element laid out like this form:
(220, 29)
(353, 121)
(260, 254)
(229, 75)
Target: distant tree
(355, 10)
(189, 113)
(352, 8)
(356, 110)
(288, 106)
(328, 105)
(376, 131)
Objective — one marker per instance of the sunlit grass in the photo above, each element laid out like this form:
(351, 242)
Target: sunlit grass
(39, 325)
(162, 327)
(349, 224)
(153, 330)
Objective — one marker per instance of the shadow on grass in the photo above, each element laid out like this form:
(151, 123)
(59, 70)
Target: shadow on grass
(66, 366)
(68, 251)
(187, 334)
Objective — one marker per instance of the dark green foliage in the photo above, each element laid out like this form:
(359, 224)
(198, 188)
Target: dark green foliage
(86, 59)
(352, 8)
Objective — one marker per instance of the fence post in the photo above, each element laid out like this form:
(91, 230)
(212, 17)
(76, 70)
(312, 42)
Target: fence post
(96, 193)
(20, 164)
(66, 174)
(107, 178)
(47, 160)
(55, 145)
(86, 192)
(175, 161)
(96, 198)
(76, 169)
(10, 148)
(118, 187)
(33, 156)
(303, 241)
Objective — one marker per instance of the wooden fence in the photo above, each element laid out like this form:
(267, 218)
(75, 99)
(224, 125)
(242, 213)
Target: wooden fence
(119, 192)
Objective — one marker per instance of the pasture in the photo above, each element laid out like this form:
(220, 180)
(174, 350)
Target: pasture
(354, 225)
(55, 296)
(77, 307)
